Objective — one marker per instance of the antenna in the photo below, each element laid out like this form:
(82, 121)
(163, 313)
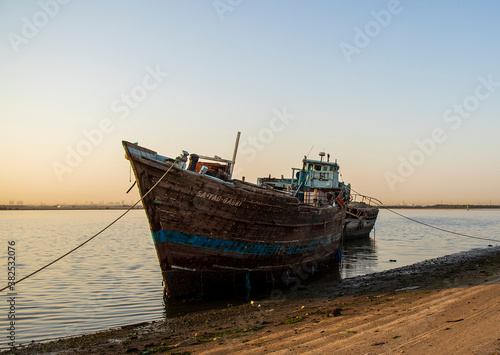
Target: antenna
(309, 151)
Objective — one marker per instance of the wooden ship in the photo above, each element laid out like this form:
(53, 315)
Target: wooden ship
(209, 228)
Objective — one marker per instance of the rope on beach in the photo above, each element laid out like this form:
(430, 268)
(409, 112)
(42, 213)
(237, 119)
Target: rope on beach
(380, 204)
(95, 235)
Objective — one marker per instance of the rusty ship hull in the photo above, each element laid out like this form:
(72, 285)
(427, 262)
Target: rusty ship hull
(203, 225)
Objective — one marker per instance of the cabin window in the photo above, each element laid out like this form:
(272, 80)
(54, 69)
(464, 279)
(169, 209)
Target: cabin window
(317, 167)
(331, 168)
(325, 168)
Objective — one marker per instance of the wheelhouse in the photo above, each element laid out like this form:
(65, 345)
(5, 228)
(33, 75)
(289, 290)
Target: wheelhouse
(316, 183)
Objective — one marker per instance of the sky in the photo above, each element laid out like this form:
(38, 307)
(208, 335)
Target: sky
(404, 94)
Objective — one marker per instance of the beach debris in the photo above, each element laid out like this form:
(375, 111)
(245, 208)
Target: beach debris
(335, 313)
(392, 260)
(454, 321)
(407, 288)
(135, 325)
(377, 344)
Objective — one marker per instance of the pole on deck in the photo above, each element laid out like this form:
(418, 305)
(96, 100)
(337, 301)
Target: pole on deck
(234, 153)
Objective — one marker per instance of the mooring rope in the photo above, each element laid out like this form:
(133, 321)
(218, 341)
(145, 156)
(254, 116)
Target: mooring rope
(95, 235)
(380, 204)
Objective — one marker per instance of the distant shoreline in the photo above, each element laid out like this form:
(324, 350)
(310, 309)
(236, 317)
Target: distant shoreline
(443, 207)
(66, 207)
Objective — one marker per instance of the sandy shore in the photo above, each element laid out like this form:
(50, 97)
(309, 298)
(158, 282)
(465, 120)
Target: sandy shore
(444, 305)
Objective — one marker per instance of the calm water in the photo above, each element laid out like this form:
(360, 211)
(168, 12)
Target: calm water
(406, 242)
(115, 279)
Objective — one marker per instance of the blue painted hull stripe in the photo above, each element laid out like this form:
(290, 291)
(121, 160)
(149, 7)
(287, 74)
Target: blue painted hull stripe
(239, 247)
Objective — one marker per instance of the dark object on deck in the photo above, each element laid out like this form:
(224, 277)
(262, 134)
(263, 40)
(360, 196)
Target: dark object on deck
(209, 228)
(193, 161)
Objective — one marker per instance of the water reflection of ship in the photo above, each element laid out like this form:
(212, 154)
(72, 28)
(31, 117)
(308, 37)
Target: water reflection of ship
(291, 285)
(358, 257)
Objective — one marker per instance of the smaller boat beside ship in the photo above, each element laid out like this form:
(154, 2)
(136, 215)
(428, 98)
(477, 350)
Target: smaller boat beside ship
(360, 217)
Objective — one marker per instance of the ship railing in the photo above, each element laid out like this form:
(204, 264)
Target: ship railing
(372, 201)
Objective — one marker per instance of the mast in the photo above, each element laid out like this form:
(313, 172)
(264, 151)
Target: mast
(234, 153)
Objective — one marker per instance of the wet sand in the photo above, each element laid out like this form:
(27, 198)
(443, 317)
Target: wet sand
(445, 305)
